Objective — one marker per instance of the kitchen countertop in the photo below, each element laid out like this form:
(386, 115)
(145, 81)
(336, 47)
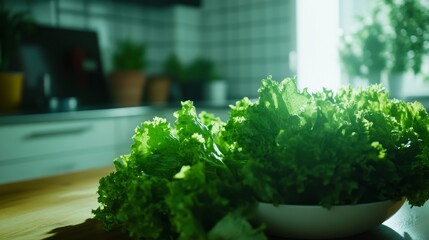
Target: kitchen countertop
(19, 117)
(40, 116)
(59, 207)
(33, 116)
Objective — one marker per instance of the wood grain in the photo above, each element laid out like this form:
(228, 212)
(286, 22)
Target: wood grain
(44, 208)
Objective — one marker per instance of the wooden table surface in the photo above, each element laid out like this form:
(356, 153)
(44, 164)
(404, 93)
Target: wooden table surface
(60, 207)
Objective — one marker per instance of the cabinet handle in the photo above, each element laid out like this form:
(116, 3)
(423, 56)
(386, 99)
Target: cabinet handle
(58, 132)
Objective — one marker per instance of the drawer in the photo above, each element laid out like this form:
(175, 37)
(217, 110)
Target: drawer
(20, 141)
(36, 167)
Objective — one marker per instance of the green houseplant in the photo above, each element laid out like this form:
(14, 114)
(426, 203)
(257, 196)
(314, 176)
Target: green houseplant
(128, 79)
(13, 27)
(158, 90)
(409, 23)
(363, 53)
(129, 55)
(196, 76)
(216, 87)
(200, 70)
(173, 68)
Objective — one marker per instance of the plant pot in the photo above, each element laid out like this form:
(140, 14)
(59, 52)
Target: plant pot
(395, 85)
(127, 87)
(11, 85)
(215, 92)
(158, 90)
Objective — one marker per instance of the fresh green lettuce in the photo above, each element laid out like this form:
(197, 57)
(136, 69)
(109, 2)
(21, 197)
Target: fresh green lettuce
(327, 148)
(202, 178)
(175, 185)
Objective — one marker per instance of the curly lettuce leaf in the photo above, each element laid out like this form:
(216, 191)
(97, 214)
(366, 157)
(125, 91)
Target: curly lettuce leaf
(235, 227)
(174, 183)
(329, 148)
(200, 204)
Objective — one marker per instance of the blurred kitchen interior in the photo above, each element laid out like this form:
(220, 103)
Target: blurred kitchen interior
(244, 40)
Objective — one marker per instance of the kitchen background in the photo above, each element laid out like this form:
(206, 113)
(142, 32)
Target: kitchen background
(245, 39)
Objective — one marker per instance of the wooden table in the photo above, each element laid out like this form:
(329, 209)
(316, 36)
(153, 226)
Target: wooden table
(56, 207)
(59, 207)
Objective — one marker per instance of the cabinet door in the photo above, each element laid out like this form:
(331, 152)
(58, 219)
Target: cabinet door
(29, 140)
(42, 166)
(42, 149)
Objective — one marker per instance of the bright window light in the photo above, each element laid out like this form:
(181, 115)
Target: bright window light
(317, 44)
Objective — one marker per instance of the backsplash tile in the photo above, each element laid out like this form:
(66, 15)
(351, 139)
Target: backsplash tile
(247, 39)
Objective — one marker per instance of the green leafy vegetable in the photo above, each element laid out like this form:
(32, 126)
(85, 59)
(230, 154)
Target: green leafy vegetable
(354, 146)
(175, 185)
(203, 178)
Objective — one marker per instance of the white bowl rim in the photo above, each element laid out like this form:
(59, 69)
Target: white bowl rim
(341, 205)
(335, 222)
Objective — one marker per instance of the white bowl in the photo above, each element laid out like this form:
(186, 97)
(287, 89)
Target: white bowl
(316, 222)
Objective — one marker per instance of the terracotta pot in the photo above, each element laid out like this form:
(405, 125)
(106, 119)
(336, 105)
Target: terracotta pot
(11, 85)
(127, 87)
(158, 90)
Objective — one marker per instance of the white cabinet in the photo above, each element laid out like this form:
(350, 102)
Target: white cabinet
(41, 166)
(74, 141)
(41, 149)
(34, 139)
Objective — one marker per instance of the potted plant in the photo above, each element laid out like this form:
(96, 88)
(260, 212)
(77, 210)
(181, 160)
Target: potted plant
(173, 68)
(13, 26)
(195, 76)
(128, 79)
(215, 89)
(363, 53)
(158, 90)
(409, 23)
